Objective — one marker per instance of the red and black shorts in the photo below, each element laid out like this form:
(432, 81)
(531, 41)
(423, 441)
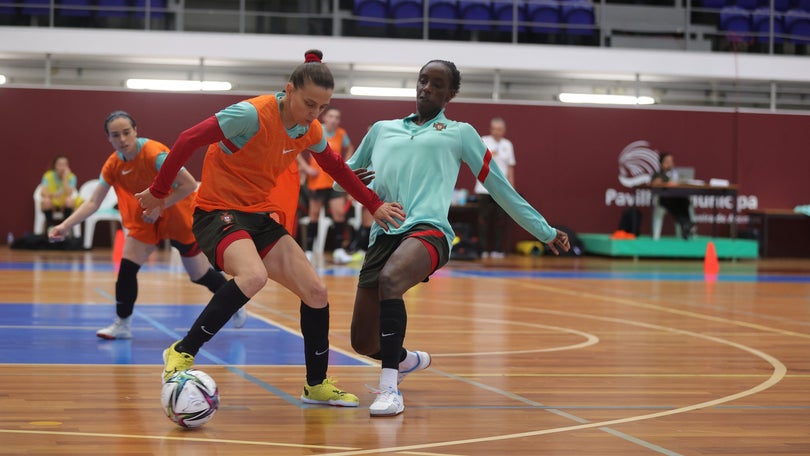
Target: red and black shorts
(216, 230)
(386, 244)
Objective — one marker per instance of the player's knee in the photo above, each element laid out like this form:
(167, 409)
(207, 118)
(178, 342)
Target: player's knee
(252, 282)
(316, 294)
(390, 284)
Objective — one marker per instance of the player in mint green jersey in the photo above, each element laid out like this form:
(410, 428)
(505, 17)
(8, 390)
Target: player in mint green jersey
(416, 161)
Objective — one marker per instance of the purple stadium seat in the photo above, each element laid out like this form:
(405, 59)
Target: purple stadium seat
(579, 17)
(36, 7)
(112, 8)
(761, 24)
(480, 10)
(797, 24)
(371, 9)
(406, 13)
(545, 16)
(446, 10)
(736, 23)
(504, 12)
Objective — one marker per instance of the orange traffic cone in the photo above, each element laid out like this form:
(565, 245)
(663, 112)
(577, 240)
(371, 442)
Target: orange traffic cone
(711, 267)
(118, 249)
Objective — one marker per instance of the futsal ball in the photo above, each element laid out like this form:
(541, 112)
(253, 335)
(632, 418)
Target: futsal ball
(190, 398)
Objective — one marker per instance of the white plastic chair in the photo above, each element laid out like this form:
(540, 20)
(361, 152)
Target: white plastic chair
(324, 223)
(39, 216)
(106, 212)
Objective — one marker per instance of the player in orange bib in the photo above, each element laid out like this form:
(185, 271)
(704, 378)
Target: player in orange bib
(133, 165)
(320, 188)
(240, 225)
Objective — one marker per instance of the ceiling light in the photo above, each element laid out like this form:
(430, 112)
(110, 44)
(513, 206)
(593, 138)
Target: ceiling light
(605, 99)
(2, 79)
(177, 85)
(383, 91)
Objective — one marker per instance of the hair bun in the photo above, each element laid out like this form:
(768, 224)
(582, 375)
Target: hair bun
(312, 57)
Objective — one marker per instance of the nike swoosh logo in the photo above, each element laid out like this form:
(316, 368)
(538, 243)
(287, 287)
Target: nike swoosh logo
(387, 334)
(206, 331)
(287, 151)
(126, 171)
(319, 353)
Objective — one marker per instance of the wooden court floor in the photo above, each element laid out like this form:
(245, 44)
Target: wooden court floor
(531, 356)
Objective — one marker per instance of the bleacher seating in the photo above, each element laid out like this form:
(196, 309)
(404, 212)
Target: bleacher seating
(736, 23)
(504, 12)
(797, 24)
(406, 13)
(371, 10)
(475, 14)
(443, 14)
(544, 16)
(761, 25)
(579, 17)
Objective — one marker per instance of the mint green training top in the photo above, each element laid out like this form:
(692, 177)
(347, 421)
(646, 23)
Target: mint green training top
(418, 165)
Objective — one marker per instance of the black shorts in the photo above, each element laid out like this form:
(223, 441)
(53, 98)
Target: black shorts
(325, 194)
(216, 230)
(385, 245)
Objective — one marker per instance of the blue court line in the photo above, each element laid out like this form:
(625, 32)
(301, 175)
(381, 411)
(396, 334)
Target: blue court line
(215, 359)
(454, 271)
(682, 276)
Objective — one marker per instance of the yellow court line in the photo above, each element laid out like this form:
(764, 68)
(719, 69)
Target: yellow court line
(686, 313)
(779, 372)
(180, 439)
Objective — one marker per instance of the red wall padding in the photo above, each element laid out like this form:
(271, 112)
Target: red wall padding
(567, 156)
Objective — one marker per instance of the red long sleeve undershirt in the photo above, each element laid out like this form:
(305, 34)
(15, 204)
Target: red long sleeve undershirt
(204, 133)
(208, 132)
(334, 165)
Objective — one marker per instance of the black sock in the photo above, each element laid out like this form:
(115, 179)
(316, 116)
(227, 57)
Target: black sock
(66, 213)
(48, 218)
(225, 302)
(393, 321)
(315, 329)
(312, 231)
(126, 288)
(212, 280)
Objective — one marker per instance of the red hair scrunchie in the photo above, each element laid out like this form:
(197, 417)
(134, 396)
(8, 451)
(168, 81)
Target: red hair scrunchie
(311, 57)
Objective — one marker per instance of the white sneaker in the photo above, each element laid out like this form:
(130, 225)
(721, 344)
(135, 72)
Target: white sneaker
(497, 255)
(119, 329)
(339, 256)
(484, 255)
(422, 363)
(388, 403)
(308, 253)
(239, 318)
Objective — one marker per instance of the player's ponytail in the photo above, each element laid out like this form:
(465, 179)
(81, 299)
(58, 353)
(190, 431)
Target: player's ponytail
(314, 70)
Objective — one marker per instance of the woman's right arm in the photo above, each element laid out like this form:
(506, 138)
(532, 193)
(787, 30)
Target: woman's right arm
(204, 133)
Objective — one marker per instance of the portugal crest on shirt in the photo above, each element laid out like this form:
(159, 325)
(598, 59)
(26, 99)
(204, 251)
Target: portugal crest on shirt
(439, 126)
(226, 217)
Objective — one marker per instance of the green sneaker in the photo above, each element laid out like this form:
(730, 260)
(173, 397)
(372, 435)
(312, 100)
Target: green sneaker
(175, 361)
(328, 394)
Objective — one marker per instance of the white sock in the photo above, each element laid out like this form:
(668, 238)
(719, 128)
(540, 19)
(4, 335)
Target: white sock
(409, 362)
(388, 379)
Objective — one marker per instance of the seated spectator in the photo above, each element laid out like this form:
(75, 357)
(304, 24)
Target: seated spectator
(59, 190)
(677, 206)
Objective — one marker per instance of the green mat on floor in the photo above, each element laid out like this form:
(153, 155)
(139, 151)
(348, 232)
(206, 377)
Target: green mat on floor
(667, 247)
